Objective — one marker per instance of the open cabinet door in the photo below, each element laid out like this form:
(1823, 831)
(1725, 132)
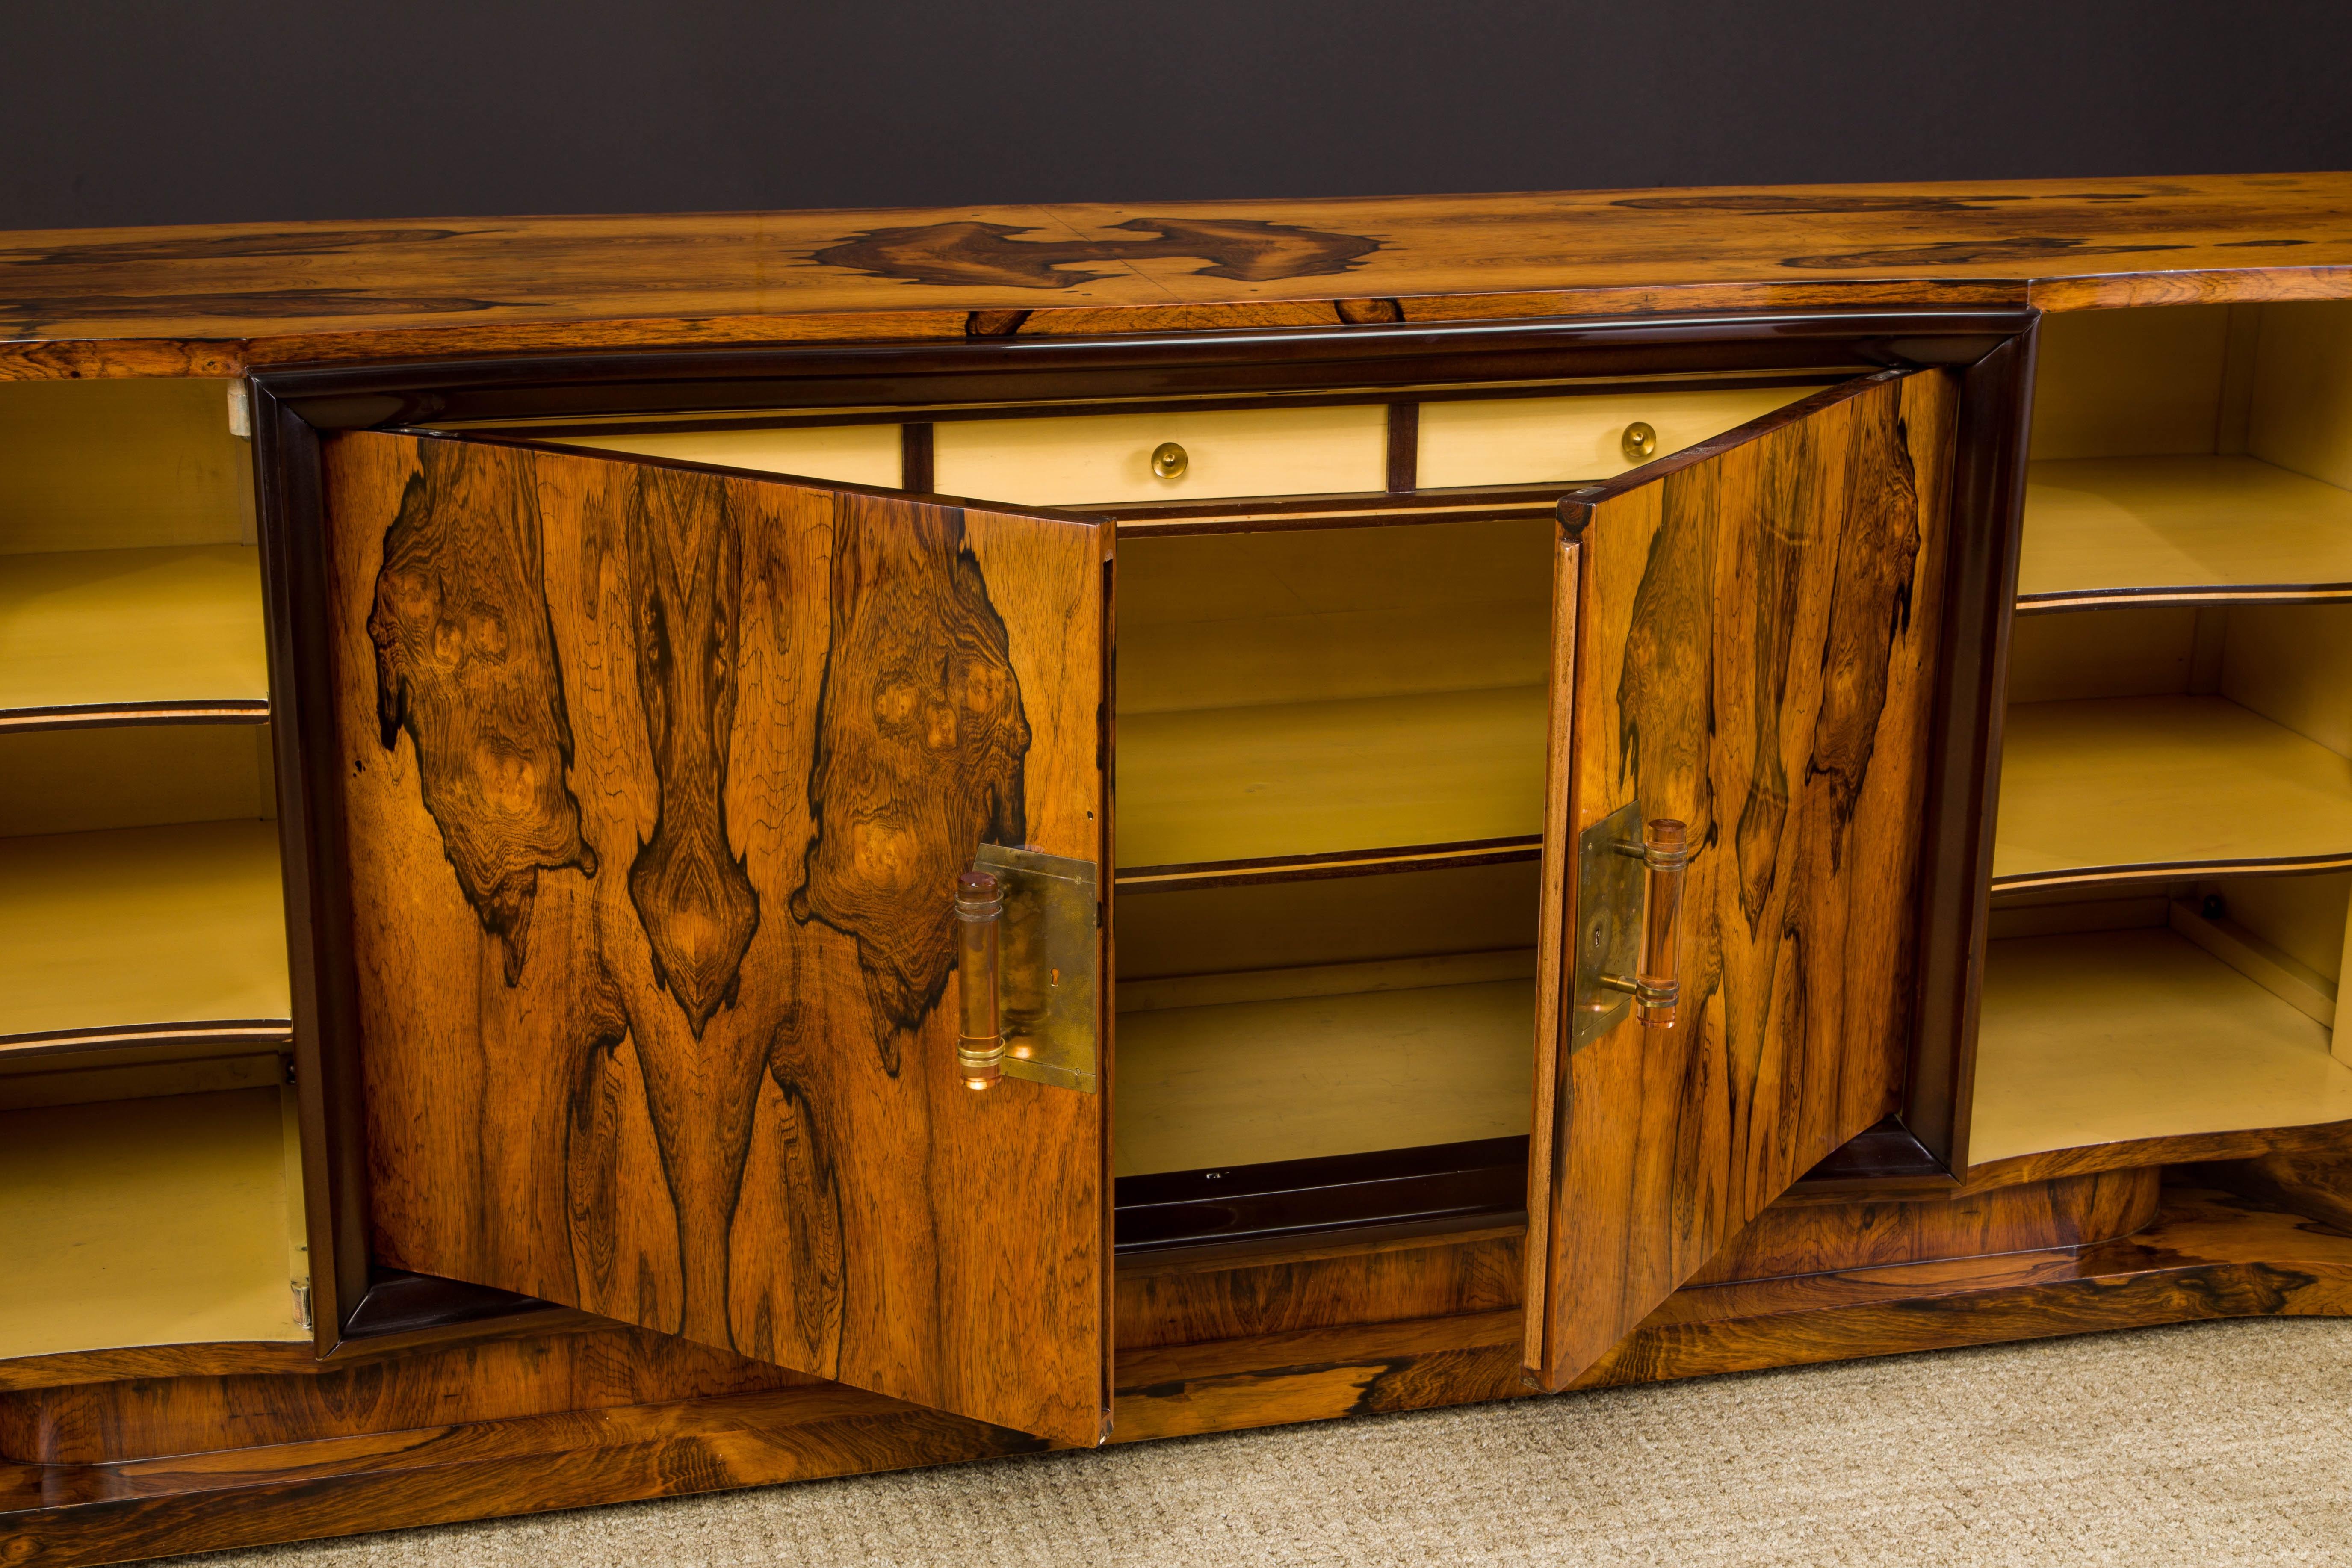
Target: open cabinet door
(657, 782)
(1744, 641)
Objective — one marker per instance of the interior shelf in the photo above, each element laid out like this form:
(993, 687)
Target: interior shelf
(2113, 1036)
(98, 633)
(2181, 529)
(142, 931)
(159, 1221)
(2146, 786)
(1244, 1070)
(1209, 785)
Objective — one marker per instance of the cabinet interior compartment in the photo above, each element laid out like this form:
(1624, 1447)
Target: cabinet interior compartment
(129, 582)
(1326, 693)
(2191, 453)
(149, 1167)
(2204, 1006)
(1301, 1056)
(2143, 743)
(172, 1220)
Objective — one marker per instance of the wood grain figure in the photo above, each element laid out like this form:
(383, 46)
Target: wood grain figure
(713, 1094)
(1755, 656)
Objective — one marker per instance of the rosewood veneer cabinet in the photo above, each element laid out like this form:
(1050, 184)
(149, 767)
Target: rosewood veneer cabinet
(645, 855)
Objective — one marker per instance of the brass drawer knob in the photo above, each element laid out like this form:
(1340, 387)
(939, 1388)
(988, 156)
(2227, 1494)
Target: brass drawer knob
(1641, 443)
(1169, 461)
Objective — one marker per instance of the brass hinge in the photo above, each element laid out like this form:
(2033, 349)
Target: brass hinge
(1050, 955)
(1628, 891)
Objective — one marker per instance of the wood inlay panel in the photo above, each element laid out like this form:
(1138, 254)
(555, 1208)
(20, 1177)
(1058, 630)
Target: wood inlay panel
(655, 782)
(1756, 652)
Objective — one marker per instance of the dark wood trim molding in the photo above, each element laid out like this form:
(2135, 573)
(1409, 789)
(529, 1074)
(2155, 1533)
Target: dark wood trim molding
(1160, 365)
(1404, 447)
(1988, 502)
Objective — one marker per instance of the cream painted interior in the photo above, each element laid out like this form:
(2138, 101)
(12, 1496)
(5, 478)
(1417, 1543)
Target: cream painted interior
(151, 1191)
(90, 627)
(121, 464)
(1302, 1064)
(2138, 1031)
(1105, 459)
(143, 1222)
(841, 454)
(2193, 447)
(1325, 921)
(1554, 440)
(137, 775)
(140, 925)
(1328, 690)
(2188, 453)
(2157, 737)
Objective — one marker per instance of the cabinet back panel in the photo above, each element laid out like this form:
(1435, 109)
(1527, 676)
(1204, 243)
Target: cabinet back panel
(1303, 1078)
(105, 465)
(76, 780)
(2101, 653)
(1245, 619)
(1331, 919)
(2130, 384)
(145, 1222)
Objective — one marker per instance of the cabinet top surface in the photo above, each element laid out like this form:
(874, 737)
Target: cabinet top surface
(213, 298)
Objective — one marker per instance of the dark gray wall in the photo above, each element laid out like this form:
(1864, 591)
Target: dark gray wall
(122, 112)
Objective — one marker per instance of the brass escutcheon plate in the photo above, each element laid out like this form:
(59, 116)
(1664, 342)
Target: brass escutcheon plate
(1049, 963)
(1608, 891)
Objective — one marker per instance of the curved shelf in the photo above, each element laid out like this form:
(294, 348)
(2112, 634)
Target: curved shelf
(132, 637)
(2180, 530)
(2158, 788)
(142, 935)
(2129, 1044)
(1301, 789)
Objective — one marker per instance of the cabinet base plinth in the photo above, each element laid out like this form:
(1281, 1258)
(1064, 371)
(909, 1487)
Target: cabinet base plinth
(2208, 1254)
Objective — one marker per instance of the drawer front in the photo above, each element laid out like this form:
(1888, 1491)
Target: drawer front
(840, 454)
(1106, 458)
(1555, 440)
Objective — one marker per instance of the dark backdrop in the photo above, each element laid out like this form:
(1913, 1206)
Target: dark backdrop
(121, 111)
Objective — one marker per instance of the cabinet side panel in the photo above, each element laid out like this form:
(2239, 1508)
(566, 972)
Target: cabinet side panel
(656, 783)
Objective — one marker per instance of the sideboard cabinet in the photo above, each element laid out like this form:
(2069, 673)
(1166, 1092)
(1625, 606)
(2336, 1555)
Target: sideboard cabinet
(647, 855)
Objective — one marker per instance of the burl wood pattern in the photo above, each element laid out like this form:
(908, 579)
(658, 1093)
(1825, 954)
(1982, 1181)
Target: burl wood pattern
(211, 300)
(653, 783)
(1755, 651)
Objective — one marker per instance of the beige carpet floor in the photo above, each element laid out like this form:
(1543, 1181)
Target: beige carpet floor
(2208, 1444)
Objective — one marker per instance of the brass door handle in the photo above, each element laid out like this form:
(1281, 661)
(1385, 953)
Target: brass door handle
(980, 914)
(1656, 983)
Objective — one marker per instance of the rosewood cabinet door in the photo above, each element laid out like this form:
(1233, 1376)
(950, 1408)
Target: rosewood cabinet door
(1745, 643)
(655, 783)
